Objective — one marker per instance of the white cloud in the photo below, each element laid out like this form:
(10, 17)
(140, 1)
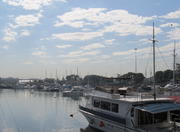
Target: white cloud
(172, 15)
(31, 4)
(9, 35)
(39, 53)
(25, 33)
(118, 21)
(77, 36)
(131, 29)
(121, 29)
(79, 17)
(41, 48)
(76, 60)
(170, 25)
(27, 20)
(92, 46)
(128, 52)
(175, 34)
(76, 17)
(63, 46)
(109, 42)
(145, 50)
(6, 47)
(76, 54)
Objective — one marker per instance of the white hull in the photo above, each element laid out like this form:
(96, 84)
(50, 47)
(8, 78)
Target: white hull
(106, 125)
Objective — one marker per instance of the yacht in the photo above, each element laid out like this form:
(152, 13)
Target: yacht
(116, 113)
(75, 91)
(122, 113)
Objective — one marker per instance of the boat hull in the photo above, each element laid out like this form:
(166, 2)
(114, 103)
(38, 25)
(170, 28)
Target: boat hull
(104, 124)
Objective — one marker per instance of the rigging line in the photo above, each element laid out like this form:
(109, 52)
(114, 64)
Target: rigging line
(148, 60)
(163, 57)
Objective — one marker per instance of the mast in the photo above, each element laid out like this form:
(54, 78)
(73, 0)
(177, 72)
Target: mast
(154, 81)
(135, 49)
(174, 64)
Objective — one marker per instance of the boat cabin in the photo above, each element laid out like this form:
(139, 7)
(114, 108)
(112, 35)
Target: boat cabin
(143, 114)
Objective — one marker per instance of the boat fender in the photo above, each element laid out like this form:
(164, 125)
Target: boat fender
(101, 124)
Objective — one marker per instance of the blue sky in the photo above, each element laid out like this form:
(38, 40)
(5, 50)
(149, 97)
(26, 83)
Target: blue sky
(97, 36)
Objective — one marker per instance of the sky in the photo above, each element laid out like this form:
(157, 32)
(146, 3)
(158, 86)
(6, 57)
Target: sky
(45, 38)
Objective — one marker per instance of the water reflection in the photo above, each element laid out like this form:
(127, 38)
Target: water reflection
(34, 111)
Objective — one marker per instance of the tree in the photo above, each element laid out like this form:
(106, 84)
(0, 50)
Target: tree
(168, 75)
(135, 77)
(159, 76)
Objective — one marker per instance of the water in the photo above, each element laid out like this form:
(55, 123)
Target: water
(26, 111)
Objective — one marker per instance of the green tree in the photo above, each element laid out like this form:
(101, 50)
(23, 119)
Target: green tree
(159, 76)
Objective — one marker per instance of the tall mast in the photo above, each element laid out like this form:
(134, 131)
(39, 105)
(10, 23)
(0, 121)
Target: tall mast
(154, 82)
(135, 49)
(174, 64)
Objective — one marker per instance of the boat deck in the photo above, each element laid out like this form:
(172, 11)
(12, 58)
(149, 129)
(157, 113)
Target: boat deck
(131, 98)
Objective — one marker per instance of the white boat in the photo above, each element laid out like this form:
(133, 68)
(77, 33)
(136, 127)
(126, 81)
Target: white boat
(75, 91)
(113, 113)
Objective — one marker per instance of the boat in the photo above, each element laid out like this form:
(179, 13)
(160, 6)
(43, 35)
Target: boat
(116, 113)
(75, 91)
(112, 112)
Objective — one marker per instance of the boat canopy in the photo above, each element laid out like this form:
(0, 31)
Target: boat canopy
(158, 108)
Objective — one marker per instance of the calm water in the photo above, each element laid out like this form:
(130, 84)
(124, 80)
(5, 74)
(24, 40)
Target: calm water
(25, 111)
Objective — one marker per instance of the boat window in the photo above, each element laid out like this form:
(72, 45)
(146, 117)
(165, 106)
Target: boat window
(148, 118)
(175, 115)
(96, 103)
(114, 108)
(105, 105)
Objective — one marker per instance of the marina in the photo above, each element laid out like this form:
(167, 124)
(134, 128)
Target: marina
(89, 66)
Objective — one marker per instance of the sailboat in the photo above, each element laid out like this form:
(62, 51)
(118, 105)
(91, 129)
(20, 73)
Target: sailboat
(110, 113)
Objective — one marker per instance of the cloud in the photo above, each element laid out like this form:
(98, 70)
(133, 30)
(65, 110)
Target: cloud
(175, 34)
(39, 53)
(76, 60)
(63, 46)
(92, 46)
(170, 25)
(80, 53)
(78, 36)
(25, 33)
(172, 15)
(9, 35)
(116, 21)
(6, 47)
(145, 50)
(31, 4)
(109, 42)
(121, 29)
(131, 29)
(27, 20)
(79, 17)
(76, 17)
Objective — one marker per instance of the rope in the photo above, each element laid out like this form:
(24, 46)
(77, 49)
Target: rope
(163, 57)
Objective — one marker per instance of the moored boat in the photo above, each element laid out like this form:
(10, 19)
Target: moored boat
(109, 112)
